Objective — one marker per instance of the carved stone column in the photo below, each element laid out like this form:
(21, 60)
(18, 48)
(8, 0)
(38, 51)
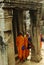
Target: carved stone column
(35, 34)
(5, 29)
(9, 36)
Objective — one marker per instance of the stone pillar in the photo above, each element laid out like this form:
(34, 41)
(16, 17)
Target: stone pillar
(35, 34)
(9, 36)
(20, 19)
(15, 26)
(0, 56)
(11, 52)
(3, 56)
(8, 56)
(2, 26)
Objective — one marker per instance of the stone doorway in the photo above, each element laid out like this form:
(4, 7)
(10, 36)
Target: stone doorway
(35, 31)
(35, 9)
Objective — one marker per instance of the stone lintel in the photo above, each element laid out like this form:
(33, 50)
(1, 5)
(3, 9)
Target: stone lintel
(22, 5)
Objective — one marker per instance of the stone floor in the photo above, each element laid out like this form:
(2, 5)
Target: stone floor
(28, 62)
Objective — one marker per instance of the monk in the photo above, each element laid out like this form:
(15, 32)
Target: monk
(20, 46)
(26, 46)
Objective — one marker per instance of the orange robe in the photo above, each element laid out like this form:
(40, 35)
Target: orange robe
(26, 47)
(19, 44)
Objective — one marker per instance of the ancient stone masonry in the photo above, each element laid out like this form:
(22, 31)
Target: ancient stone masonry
(3, 53)
(22, 5)
(6, 33)
(8, 9)
(35, 30)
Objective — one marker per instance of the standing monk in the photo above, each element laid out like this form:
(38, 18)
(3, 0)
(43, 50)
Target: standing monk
(26, 46)
(20, 45)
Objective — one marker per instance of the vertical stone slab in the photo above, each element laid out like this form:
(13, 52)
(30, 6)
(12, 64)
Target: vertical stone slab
(7, 56)
(20, 20)
(2, 27)
(4, 56)
(0, 56)
(35, 33)
(11, 53)
(9, 39)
